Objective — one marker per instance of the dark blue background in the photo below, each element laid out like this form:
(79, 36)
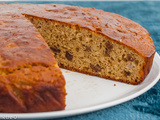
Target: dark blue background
(146, 106)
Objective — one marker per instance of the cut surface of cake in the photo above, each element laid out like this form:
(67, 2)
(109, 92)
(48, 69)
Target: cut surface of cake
(81, 39)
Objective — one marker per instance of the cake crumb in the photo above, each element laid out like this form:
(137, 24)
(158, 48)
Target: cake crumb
(114, 84)
(67, 72)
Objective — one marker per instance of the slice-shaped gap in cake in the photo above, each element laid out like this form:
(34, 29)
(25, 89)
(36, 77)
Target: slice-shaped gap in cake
(85, 51)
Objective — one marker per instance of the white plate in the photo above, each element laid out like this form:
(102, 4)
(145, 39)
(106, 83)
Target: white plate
(87, 93)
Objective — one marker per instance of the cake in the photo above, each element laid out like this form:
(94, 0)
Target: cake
(81, 39)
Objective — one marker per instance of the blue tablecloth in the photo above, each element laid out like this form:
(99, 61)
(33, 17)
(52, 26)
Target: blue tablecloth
(146, 106)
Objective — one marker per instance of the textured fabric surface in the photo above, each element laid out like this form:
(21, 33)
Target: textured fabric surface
(146, 106)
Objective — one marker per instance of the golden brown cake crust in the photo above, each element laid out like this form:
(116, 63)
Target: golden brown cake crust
(111, 25)
(30, 80)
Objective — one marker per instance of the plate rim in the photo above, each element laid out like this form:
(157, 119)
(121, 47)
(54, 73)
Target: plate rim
(63, 113)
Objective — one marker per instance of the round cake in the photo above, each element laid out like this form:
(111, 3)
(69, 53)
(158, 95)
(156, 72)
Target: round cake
(87, 40)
